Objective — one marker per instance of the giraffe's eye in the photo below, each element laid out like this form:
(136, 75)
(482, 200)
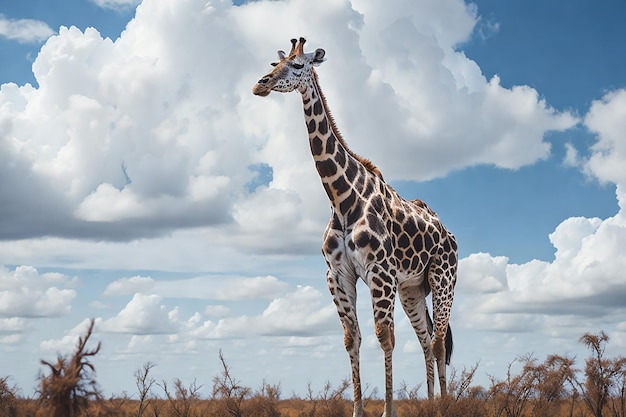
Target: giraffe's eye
(297, 66)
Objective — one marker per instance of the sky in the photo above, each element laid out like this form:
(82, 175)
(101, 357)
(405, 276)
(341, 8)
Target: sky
(144, 186)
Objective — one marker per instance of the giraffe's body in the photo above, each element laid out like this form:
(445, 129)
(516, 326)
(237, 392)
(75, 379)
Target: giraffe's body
(394, 245)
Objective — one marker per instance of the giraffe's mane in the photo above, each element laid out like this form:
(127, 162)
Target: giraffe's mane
(369, 165)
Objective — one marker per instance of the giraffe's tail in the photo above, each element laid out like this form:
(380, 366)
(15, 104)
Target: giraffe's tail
(449, 342)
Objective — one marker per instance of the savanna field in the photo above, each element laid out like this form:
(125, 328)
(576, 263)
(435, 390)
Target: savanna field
(555, 386)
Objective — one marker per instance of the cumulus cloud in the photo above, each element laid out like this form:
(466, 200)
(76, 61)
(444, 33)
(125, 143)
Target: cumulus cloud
(12, 330)
(24, 30)
(298, 314)
(606, 118)
(13, 325)
(68, 342)
(216, 310)
(223, 288)
(24, 292)
(144, 314)
(585, 278)
(139, 137)
(482, 273)
(304, 312)
(126, 286)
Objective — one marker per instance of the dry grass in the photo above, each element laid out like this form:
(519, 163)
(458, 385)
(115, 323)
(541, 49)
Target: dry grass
(552, 388)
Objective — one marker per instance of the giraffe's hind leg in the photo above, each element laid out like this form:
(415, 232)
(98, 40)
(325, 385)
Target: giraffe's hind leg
(442, 279)
(413, 300)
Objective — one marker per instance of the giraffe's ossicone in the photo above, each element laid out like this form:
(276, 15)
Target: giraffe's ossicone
(393, 245)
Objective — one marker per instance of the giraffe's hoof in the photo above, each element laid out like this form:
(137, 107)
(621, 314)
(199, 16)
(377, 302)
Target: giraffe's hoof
(393, 412)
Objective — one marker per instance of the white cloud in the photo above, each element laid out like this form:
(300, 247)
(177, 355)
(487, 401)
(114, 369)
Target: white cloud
(216, 311)
(24, 30)
(12, 330)
(126, 286)
(585, 279)
(67, 344)
(571, 158)
(607, 119)
(116, 4)
(301, 312)
(144, 314)
(139, 137)
(304, 312)
(482, 273)
(221, 288)
(24, 292)
(583, 285)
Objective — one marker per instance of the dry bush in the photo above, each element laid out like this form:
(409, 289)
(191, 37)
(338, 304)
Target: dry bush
(618, 400)
(183, 401)
(510, 396)
(144, 386)
(331, 402)
(8, 398)
(603, 387)
(264, 403)
(550, 392)
(118, 405)
(553, 388)
(70, 386)
(328, 402)
(462, 400)
(228, 393)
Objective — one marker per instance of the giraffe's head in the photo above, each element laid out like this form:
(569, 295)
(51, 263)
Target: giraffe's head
(291, 72)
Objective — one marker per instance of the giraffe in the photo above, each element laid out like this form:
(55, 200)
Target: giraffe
(393, 245)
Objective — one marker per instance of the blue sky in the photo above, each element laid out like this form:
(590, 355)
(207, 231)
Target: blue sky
(143, 185)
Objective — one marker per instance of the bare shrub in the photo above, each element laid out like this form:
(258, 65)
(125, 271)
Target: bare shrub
(328, 402)
(8, 399)
(332, 402)
(116, 405)
(618, 400)
(510, 396)
(183, 400)
(71, 385)
(144, 386)
(603, 377)
(462, 399)
(459, 385)
(264, 403)
(550, 389)
(228, 392)
(407, 393)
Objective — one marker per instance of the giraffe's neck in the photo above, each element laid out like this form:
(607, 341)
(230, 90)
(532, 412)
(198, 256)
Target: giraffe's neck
(346, 177)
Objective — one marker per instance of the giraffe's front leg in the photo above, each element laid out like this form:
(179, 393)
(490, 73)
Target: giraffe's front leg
(343, 290)
(383, 290)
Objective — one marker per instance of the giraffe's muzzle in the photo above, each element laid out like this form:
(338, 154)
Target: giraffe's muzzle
(261, 88)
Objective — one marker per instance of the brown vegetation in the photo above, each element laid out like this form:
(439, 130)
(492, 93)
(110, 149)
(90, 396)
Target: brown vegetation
(70, 386)
(552, 388)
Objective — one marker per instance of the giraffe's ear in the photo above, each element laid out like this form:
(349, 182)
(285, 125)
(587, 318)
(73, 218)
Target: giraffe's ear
(318, 58)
